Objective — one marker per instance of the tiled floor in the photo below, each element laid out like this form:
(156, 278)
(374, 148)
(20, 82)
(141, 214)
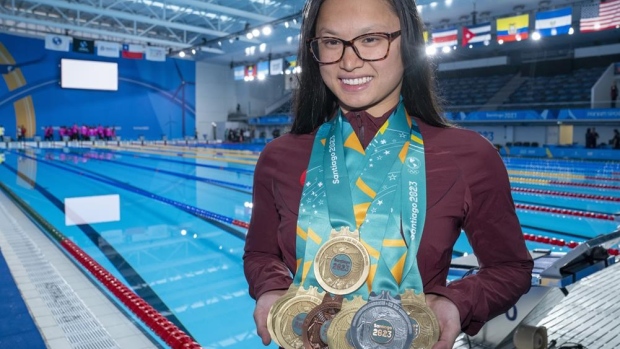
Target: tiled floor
(69, 310)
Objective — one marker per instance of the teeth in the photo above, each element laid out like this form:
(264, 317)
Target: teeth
(357, 81)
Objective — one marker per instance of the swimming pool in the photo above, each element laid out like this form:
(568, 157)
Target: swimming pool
(177, 240)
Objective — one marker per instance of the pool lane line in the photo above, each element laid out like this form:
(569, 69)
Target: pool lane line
(565, 194)
(223, 184)
(245, 162)
(554, 182)
(565, 211)
(545, 174)
(562, 243)
(558, 232)
(125, 294)
(223, 168)
(234, 153)
(207, 216)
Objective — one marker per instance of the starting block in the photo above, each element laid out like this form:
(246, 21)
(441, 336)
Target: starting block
(553, 276)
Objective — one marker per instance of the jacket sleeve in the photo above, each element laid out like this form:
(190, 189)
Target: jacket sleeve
(262, 260)
(494, 232)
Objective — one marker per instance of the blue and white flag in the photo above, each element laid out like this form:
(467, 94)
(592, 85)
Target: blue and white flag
(108, 49)
(154, 53)
(554, 22)
(275, 66)
(57, 42)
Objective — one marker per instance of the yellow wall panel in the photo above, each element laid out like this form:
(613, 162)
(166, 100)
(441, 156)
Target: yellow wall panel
(24, 115)
(14, 79)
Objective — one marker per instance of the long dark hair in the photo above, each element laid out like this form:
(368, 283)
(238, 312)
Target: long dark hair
(314, 103)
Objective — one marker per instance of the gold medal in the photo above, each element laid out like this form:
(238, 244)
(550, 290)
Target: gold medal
(341, 323)
(342, 264)
(291, 315)
(422, 318)
(275, 308)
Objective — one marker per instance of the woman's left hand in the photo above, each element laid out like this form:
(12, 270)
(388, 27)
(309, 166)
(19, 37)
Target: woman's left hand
(449, 320)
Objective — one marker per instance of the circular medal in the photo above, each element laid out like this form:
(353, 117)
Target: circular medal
(423, 320)
(314, 335)
(342, 264)
(381, 323)
(274, 310)
(291, 315)
(340, 324)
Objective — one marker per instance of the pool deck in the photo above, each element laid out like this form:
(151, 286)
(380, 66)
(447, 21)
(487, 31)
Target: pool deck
(68, 309)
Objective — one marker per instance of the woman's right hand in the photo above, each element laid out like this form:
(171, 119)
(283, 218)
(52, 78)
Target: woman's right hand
(263, 304)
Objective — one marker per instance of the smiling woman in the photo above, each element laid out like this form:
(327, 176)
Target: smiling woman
(387, 187)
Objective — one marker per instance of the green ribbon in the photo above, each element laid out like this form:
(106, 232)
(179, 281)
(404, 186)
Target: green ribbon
(371, 190)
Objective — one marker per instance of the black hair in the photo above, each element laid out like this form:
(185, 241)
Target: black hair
(314, 103)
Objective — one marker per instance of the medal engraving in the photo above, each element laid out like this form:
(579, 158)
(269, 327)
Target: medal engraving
(342, 264)
(317, 322)
(340, 324)
(422, 318)
(291, 315)
(381, 323)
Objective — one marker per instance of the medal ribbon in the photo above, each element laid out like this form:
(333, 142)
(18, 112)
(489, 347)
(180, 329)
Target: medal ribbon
(364, 194)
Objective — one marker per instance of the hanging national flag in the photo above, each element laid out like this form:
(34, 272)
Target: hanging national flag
(157, 54)
(108, 49)
(513, 28)
(605, 15)
(250, 70)
(262, 69)
(290, 63)
(57, 42)
(132, 51)
(83, 46)
(477, 35)
(275, 66)
(555, 22)
(446, 37)
(239, 72)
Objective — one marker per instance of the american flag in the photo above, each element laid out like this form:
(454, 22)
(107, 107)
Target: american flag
(605, 15)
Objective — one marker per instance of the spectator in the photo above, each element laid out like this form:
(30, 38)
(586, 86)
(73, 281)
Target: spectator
(615, 142)
(614, 94)
(1, 133)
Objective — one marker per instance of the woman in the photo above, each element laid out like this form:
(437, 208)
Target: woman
(363, 62)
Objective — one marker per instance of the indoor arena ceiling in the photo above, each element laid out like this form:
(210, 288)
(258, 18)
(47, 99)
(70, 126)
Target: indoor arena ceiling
(217, 28)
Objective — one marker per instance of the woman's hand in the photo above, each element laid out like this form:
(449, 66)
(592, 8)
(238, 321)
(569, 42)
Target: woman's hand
(263, 304)
(449, 320)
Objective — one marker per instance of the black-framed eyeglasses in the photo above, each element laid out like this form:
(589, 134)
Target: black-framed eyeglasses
(369, 47)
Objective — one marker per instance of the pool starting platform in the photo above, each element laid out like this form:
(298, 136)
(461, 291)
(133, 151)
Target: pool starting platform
(573, 302)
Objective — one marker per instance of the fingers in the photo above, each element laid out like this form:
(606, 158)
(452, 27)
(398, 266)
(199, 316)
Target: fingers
(261, 327)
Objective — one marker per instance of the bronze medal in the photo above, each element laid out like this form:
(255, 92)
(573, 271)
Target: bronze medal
(342, 264)
(423, 318)
(291, 315)
(314, 335)
(341, 323)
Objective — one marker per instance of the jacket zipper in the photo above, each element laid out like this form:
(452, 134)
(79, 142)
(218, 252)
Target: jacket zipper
(361, 127)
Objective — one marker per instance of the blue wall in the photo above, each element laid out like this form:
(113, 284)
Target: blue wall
(148, 101)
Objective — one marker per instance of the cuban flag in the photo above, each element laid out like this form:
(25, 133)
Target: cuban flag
(446, 37)
(477, 35)
(555, 22)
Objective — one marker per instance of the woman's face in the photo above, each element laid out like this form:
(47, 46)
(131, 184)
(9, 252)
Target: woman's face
(359, 85)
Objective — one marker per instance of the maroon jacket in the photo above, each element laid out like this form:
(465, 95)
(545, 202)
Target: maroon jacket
(467, 188)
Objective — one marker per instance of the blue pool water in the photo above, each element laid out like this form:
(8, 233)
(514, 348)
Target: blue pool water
(190, 268)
